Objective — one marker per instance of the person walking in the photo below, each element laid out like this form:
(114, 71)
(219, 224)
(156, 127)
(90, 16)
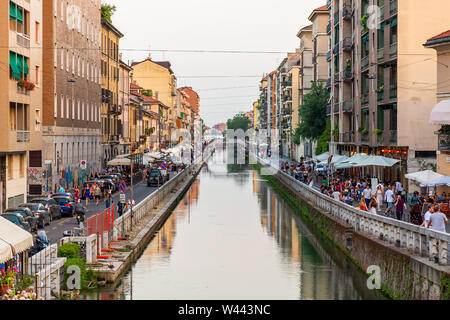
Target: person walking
(389, 198)
(108, 201)
(87, 194)
(77, 194)
(426, 217)
(379, 196)
(399, 206)
(373, 205)
(97, 193)
(438, 220)
(367, 194)
(416, 215)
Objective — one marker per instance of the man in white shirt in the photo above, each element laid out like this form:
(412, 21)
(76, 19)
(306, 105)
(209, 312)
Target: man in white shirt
(398, 187)
(437, 221)
(336, 194)
(389, 198)
(367, 193)
(426, 217)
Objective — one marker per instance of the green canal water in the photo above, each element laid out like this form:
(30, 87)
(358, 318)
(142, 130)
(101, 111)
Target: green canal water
(233, 237)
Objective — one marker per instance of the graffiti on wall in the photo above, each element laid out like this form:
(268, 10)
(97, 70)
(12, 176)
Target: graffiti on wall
(35, 176)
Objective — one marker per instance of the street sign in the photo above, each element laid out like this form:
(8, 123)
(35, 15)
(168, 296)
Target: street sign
(163, 166)
(122, 198)
(83, 164)
(122, 186)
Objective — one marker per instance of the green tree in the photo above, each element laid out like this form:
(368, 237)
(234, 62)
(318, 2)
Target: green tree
(239, 121)
(108, 11)
(148, 93)
(323, 141)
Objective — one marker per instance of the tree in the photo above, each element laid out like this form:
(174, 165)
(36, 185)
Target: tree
(313, 117)
(148, 93)
(323, 141)
(239, 121)
(108, 11)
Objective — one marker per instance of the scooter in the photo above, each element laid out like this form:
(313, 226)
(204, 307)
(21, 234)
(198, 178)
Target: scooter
(80, 214)
(40, 243)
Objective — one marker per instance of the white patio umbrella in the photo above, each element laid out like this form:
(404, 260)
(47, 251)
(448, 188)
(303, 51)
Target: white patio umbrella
(443, 181)
(440, 114)
(352, 162)
(423, 176)
(378, 161)
(322, 157)
(119, 162)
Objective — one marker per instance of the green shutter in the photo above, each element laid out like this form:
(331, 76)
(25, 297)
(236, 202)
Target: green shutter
(380, 118)
(12, 10)
(25, 66)
(182, 115)
(365, 38)
(394, 22)
(13, 64)
(19, 16)
(19, 62)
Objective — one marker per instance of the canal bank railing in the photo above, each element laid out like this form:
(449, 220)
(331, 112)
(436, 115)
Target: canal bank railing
(426, 242)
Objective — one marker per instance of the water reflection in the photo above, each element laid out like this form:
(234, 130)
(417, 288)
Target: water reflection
(232, 237)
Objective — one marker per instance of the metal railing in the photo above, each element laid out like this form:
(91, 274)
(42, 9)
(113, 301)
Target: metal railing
(380, 53)
(23, 40)
(393, 6)
(365, 98)
(380, 95)
(347, 106)
(23, 136)
(393, 92)
(347, 44)
(329, 55)
(347, 12)
(365, 62)
(393, 49)
(329, 27)
(336, 49)
(336, 108)
(348, 75)
(336, 18)
(328, 110)
(347, 137)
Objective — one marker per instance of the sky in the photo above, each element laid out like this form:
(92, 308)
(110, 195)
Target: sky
(227, 83)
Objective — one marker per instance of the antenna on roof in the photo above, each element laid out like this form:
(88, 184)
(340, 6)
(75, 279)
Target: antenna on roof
(149, 53)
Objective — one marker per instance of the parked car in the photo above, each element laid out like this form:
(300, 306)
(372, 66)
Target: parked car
(17, 219)
(67, 203)
(155, 178)
(51, 205)
(39, 211)
(27, 215)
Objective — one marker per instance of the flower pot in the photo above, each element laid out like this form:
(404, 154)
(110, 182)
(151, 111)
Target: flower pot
(4, 288)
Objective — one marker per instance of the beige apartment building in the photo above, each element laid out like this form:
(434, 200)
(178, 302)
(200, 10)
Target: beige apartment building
(319, 38)
(382, 80)
(159, 77)
(124, 105)
(71, 90)
(21, 165)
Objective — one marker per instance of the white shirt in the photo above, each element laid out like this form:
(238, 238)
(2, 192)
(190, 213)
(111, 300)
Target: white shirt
(311, 183)
(427, 218)
(389, 196)
(336, 195)
(398, 186)
(367, 193)
(437, 220)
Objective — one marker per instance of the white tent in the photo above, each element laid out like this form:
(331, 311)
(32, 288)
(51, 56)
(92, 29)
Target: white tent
(443, 181)
(323, 156)
(361, 160)
(335, 160)
(17, 239)
(440, 114)
(423, 176)
(119, 162)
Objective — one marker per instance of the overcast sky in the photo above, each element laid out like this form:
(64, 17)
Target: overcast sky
(253, 25)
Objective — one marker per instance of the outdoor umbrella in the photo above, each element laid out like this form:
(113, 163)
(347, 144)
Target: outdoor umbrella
(322, 157)
(443, 181)
(119, 162)
(351, 162)
(440, 114)
(423, 176)
(378, 161)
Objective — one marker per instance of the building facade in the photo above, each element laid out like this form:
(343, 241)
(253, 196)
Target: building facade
(124, 105)
(71, 101)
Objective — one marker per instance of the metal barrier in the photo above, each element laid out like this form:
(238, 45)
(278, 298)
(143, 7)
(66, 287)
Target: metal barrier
(101, 225)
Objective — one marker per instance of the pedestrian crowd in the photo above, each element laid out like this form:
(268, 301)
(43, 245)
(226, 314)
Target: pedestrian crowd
(389, 199)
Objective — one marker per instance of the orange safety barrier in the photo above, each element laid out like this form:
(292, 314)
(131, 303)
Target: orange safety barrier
(101, 224)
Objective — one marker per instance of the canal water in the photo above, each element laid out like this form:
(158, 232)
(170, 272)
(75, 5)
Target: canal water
(233, 237)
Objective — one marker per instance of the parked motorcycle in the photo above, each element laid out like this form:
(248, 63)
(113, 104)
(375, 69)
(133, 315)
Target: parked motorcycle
(40, 243)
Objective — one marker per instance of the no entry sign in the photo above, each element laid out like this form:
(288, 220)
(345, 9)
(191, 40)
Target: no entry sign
(122, 186)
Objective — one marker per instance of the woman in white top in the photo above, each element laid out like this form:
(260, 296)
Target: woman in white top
(380, 195)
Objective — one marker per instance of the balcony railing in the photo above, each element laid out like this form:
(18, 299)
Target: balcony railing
(329, 27)
(22, 90)
(23, 40)
(347, 44)
(336, 18)
(380, 54)
(336, 78)
(347, 12)
(392, 136)
(393, 49)
(328, 110)
(444, 141)
(365, 98)
(329, 55)
(336, 49)
(23, 136)
(348, 75)
(380, 95)
(347, 137)
(365, 62)
(347, 106)
(393, 92)
(364, 137)
(328, 85)
(393, 7)
(336, 108)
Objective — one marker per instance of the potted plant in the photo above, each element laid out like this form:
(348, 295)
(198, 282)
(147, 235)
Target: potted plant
(377, 131)
(7, 278)
(27, 294)
(364, 131)
(26, 85)
(364, 20)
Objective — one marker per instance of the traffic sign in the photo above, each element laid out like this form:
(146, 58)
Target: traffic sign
(163, 166)
(83, 164)
(122, 186)
(122, 198)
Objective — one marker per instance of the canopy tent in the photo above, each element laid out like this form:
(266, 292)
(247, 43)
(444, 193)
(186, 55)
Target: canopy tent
(322, 157)
(361, 160)
(443, 181)
(352, 161)
(440, 115)
(423, 176)
(123, 156)
(155, 155)
(15, 237)
(119, 162)
(336, 159)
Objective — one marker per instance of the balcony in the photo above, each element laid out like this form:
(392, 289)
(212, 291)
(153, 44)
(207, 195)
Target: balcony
(443, 141)
(393, 7)
(336, 108)
(393, 92)
(336, 78)
(329, 55)
(392, 137)
(336, 49)
(22, 90)
(365, 98)
(336, 18)
(365, 62)
(380, 95)
(328, 110)
(347, 44)
(329, 27)
(364, 137)
(347, 106)
(23, 136)
(380, 54)
(347, 12)
(393, 50)
(347, 137)
(328, 85)
(348, 75)
(23, 40)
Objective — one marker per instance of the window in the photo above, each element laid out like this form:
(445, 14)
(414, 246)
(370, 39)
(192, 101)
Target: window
(82, 110)
(73, 63)
(55, 107)
(62, 10)
(62, 58)
(18, 116)
(67, 60)
(10, 166)
(18, 66)
(37, 76)
(36, 31)
(78, 110)
(62, 106)
(73, 108)
(78, 67)
(35, 159)
(67, 107)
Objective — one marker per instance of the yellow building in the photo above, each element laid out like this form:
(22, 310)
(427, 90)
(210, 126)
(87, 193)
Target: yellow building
(159, 77)
(110, 67)
(255, 114)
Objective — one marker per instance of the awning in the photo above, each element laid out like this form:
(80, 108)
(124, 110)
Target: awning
(423, 176)
(12, 10)
(119, 162)
(443, 181)
(18, 239)
(362, 160)
(440, 114)
(13, 64)
(394, 22)
(5, 251)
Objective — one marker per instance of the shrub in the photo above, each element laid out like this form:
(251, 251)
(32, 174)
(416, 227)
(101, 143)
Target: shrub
(69, 250)
(79, 262)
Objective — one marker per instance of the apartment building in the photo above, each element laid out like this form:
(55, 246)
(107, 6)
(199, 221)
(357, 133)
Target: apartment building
(262, 104)
(159, 77)
(319, 38)
(255, 115)
(378, 63)
(124, 106)
(111, 110)
(193, 100)
(21, 165)
(71, 123)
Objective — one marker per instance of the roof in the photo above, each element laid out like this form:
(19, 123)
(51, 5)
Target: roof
(164, 64)
(135, 86)
(146, 98)
(305, 29)
(124, 65)
(440, 38)
(110, 26)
